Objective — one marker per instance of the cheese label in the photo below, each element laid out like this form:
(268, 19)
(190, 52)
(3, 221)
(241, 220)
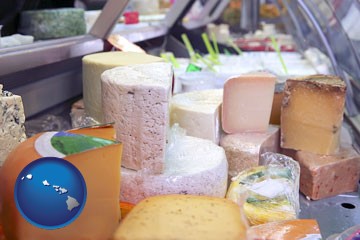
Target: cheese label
(61, 144)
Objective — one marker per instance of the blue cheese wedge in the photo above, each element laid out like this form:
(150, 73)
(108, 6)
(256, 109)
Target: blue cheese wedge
(12, 121)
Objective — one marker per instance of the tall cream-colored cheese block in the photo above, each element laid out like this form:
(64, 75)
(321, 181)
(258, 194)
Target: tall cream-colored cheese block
(243, 150)
(94, 65)
(137, 99)
(183, 217)
(198, 112)
(247, 102)
(193, 166)
(12, 130)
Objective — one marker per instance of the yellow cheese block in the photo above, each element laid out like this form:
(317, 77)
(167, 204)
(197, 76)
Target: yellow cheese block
(100, 168)
(312, 113)
(183, 217)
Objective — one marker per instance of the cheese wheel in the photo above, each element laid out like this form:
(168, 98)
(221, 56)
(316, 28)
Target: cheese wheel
(94, 65)
(12, 121)
(193, 166)
(198, 113)
(137, 99)
(100, 170)
(53, 23)
(183, 217)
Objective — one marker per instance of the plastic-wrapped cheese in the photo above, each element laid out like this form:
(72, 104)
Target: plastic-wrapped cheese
(137, 99)
(198, 113)
(12, 121)
(94, 65)
(269, 192)
(243, 150)
(99, 165)
(193, 166)
(53, 23)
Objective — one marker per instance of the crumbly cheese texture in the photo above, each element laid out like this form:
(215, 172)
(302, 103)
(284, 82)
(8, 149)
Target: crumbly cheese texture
(247, 102)
(198, 112)
(53, 23)
(285, 230)
(324, 176)
(312, 113)
(193, 166)
(137, 99)
(243, 150)
(12, 123)
(94, 65)
(101, 171)
(183, 217)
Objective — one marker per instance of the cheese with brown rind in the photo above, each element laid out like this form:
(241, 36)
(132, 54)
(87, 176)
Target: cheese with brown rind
(324, 176)
(312, 114)
(183, 217)
(243, 150)
(101, 214)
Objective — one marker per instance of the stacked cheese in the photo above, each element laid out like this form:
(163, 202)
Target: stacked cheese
(137, 99)
(245, 118)
(96, 156)
(311, 119)
(94, 65)
(12, 123)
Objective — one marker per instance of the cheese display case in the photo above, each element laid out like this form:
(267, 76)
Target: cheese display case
(207, 91)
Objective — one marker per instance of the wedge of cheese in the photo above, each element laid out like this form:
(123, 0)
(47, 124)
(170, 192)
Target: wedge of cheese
(198, 113)
(94, 65)
(312, 113)
(297, 229)
(193, 166)
(243, 150)
(99, 164)
(329, 175)
(137, 99)
(276, 105)
(247, 102)
(183, 217)
(12, 121)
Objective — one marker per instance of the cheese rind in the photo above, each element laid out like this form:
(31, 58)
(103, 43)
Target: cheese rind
(12, 123)
(94, 65)
(247, 102)
(329, 175)
(193, 166)
(137, 99)
(183, 217)
(198, 113)
(243, 150)
(312, 114)
(101, 213)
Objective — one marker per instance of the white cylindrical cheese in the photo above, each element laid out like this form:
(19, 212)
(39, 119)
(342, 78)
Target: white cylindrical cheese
(193, 166)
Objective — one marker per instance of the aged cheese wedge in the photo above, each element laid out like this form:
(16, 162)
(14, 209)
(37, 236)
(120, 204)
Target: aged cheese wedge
(100, 168)
(137, 99)
(94, 65)
(312, 113)
(198, 113)
(193, 166)
(183, 217)
(12, 121)
(247, 102)
(296, 229)
(243, 150)
(328, 175)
